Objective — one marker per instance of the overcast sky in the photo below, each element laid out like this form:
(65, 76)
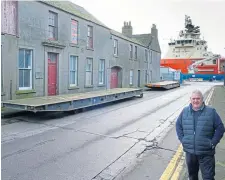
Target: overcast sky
(168, 15)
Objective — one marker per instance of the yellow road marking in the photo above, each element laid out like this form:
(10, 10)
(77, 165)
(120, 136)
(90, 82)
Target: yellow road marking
(172, 165)
(178, 170)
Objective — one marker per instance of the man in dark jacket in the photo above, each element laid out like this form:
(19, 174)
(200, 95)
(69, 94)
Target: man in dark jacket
(199, 129)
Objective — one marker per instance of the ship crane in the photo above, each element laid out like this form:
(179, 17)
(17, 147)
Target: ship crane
(193, 66)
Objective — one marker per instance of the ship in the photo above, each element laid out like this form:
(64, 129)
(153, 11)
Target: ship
(189, 53)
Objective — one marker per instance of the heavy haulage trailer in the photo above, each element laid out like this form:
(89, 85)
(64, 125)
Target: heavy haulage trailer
(163, 85)
(70, 102)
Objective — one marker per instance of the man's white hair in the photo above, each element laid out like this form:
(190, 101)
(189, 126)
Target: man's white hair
(198, 92)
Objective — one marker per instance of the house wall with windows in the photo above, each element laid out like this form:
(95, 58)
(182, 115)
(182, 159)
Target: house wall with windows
(131, 57)
(59, 51)
(77, 47)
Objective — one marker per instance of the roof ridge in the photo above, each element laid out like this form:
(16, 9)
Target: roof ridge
(70, 7)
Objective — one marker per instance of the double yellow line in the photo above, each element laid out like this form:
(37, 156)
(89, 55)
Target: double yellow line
(175, 166)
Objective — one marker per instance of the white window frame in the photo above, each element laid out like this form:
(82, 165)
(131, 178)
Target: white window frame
(101, 72)
(89, 70)
(131, 77)
(115, 47)
(29, 68)
(53, 16)
(73, 69)
(90, 36)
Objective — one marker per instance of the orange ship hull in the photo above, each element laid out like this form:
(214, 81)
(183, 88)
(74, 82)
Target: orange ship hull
(178, 64)
(182, 64)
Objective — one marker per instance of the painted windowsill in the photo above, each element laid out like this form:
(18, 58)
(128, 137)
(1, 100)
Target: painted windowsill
(73, 87)
(116, 56)
(53, 43)
(91, 49)
(101, 85)
(25, 91)
(74, 45)
(89, 86)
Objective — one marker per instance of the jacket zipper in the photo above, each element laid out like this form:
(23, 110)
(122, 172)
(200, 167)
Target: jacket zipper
(194, 131)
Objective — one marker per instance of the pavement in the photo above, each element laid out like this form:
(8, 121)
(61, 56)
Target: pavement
(218, 102)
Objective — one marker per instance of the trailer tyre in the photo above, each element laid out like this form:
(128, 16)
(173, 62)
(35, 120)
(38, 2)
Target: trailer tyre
(141, 95)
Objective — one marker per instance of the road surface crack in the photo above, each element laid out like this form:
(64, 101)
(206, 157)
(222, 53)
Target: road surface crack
(154, 145)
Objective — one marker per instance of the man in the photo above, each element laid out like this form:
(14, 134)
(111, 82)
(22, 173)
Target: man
(199, 129)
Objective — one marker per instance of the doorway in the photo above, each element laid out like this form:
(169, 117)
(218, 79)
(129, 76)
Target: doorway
(52, 74)
(116, 77)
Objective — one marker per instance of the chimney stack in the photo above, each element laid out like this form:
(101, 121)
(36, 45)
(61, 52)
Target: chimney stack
(127, 29)
(154, 31)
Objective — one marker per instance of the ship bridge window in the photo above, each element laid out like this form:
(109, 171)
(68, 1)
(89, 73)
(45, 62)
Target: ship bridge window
(178, 42)
(171, 44)
(214, 61)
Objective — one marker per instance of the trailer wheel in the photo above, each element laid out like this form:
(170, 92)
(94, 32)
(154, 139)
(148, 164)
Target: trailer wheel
(141, 95)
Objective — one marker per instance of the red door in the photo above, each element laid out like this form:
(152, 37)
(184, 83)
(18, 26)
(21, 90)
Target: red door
(52, 74)
(114, 78)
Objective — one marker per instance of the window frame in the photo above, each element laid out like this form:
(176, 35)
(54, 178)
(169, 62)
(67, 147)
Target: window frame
(115, 47)
(88, 85)
(90, 35)
(131, 77)
(30, 69)
(76, 58)
(131, 51)
(72, 23)
(135, 52)
(101, 71)
(52, 16)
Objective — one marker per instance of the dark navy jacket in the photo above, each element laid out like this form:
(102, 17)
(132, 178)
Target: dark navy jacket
(199, 131)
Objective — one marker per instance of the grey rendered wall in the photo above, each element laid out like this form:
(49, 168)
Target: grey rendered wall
(33, 31)
(9, 66)
(155, 59)
(123, 60)
(33, 26)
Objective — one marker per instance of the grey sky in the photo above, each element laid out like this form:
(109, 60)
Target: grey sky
(168, 15)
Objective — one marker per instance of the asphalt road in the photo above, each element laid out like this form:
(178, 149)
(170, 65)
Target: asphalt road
(103, 143)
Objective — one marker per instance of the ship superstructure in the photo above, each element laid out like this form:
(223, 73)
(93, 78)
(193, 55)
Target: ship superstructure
(189, 53)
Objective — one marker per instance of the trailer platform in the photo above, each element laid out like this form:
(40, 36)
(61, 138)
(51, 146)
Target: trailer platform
(163, 85)
(68, 102)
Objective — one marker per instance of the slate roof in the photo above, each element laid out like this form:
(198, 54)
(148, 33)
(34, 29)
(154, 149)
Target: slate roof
(69, 7)
(74, 9)
(133, 40)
